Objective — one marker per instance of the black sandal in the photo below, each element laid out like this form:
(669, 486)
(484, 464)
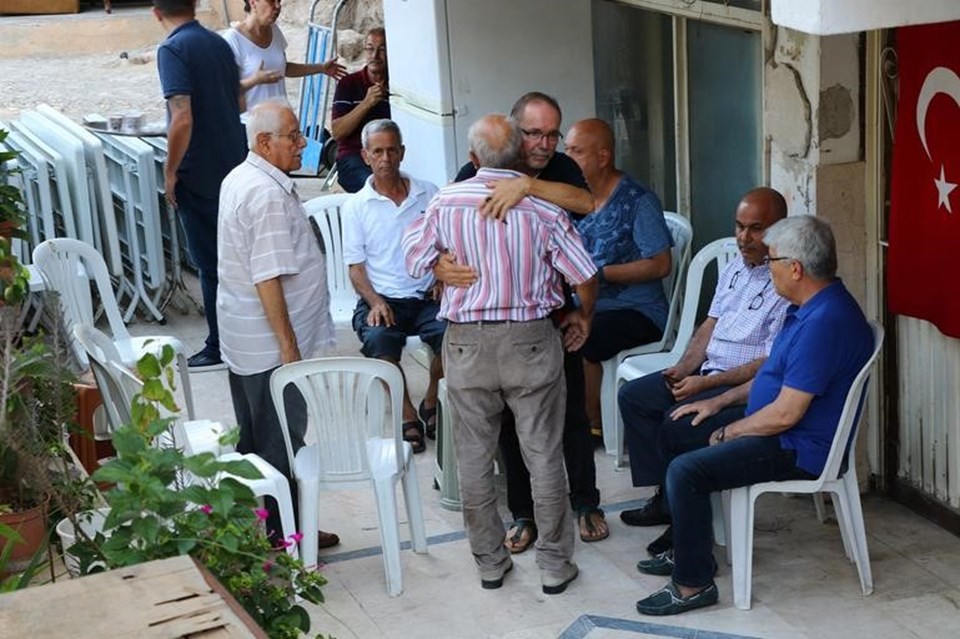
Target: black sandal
(585, 516)
(429, 418)
(521, 525)
(413, 433)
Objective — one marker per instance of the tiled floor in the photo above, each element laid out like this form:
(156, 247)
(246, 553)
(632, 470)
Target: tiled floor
(802, 584)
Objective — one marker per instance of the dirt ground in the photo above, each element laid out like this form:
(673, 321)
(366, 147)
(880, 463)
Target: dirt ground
(107, 83)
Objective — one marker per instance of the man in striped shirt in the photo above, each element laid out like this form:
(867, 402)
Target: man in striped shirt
(502, 347)
(273, 306)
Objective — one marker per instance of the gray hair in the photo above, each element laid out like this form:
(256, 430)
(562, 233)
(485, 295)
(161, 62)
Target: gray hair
(506, 154)
(807, 239)
(265, 118)
(383, 125)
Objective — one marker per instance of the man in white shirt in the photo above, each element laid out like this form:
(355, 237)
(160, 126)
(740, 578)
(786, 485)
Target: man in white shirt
(392, 304)
(273, 306)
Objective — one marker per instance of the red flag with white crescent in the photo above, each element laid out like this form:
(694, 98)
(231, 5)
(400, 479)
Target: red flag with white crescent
(924, 254)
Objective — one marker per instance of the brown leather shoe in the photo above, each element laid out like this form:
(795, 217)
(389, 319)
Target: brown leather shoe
(327, 539)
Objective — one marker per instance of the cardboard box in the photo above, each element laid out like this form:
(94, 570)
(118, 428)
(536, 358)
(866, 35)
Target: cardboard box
(39, 6)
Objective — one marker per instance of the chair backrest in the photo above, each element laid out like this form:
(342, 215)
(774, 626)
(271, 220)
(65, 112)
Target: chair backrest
(844, 441)
(682, 234)
(326, 218)
(67, 266)
(117, 385)
(721, 252)
(345, 407)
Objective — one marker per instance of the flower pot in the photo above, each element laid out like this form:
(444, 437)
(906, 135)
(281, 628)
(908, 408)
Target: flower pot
(32, 526)
(91, 522)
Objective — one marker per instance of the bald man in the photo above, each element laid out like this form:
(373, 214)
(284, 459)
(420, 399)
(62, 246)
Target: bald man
(502, 348)
(630, 244)
(725, 351)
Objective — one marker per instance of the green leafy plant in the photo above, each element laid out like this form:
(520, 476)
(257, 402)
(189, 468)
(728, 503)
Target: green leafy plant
(167, 503)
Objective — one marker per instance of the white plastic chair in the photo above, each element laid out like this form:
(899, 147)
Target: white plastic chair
(844, 488)
(721, 252)
(118, 384)
(67, 266)
(344, 397)
(682, 234)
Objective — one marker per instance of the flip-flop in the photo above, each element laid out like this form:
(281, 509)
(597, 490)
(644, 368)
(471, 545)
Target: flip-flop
(516, 539)
(586, 515)
(429, 418)
(413, 433)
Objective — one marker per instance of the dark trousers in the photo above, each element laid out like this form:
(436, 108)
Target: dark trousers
(577, 451)
(352, 172)
(199, 217)
(691, 478)
(260, 431)
(652, 437)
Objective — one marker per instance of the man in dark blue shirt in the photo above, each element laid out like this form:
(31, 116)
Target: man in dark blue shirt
(205, 141)
(793, 409)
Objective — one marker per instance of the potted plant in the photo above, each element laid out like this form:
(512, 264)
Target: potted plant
(37, 404)
(166, 503)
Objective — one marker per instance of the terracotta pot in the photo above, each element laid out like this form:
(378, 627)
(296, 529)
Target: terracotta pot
(32, 526)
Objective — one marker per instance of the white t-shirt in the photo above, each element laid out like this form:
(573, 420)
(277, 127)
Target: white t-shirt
(263, 233)
(372, 228)
(249, 57)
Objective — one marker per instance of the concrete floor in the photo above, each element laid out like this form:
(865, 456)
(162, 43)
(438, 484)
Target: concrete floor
(803, 586)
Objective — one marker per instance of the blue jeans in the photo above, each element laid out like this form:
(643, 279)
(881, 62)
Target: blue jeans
(691, 478)
(352, 172)
(652, 438)
(198, 214)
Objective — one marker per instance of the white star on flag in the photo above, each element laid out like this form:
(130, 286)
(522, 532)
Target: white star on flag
(943, 191)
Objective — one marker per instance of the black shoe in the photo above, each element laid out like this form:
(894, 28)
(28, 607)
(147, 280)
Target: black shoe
(669, 601)
(493, 584)
(661, 544)
(651, 513)
(205, 361)
(661, 565)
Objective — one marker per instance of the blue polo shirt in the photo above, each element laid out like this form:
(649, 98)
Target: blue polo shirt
(820, 349)
(197, 62)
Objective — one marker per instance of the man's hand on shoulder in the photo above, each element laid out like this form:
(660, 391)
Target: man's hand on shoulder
(447, 271)
(504, 195)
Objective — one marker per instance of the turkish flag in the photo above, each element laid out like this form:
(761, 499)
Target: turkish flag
(924, 232)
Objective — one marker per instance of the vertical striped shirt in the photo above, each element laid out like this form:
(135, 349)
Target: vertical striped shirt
(519, 263)
(262, 234)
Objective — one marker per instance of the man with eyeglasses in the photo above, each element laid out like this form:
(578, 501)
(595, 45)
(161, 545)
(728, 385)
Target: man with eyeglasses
(273, 298)
(726, 350)
(360, 97)
(793, 408)
(201, 85)
(546, 173)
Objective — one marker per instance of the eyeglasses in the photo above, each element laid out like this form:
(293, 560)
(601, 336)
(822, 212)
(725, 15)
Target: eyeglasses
(294, 137)
(767, 259)
(757, 302)
(537, 135)
(374, 50)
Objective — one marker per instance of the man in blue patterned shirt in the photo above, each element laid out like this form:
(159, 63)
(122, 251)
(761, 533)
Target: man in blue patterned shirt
(629, 242)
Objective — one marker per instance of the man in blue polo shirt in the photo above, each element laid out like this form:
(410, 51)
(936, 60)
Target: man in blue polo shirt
(793, 408)
(205, 141)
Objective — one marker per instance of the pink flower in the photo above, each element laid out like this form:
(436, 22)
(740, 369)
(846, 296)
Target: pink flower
(261, 513)
(268, 566)
(206, 509)
(296, 537)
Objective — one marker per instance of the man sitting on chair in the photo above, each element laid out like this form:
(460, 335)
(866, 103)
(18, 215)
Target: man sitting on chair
(793, 409)
(629, 242)
(392, 304)
(726, 350)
